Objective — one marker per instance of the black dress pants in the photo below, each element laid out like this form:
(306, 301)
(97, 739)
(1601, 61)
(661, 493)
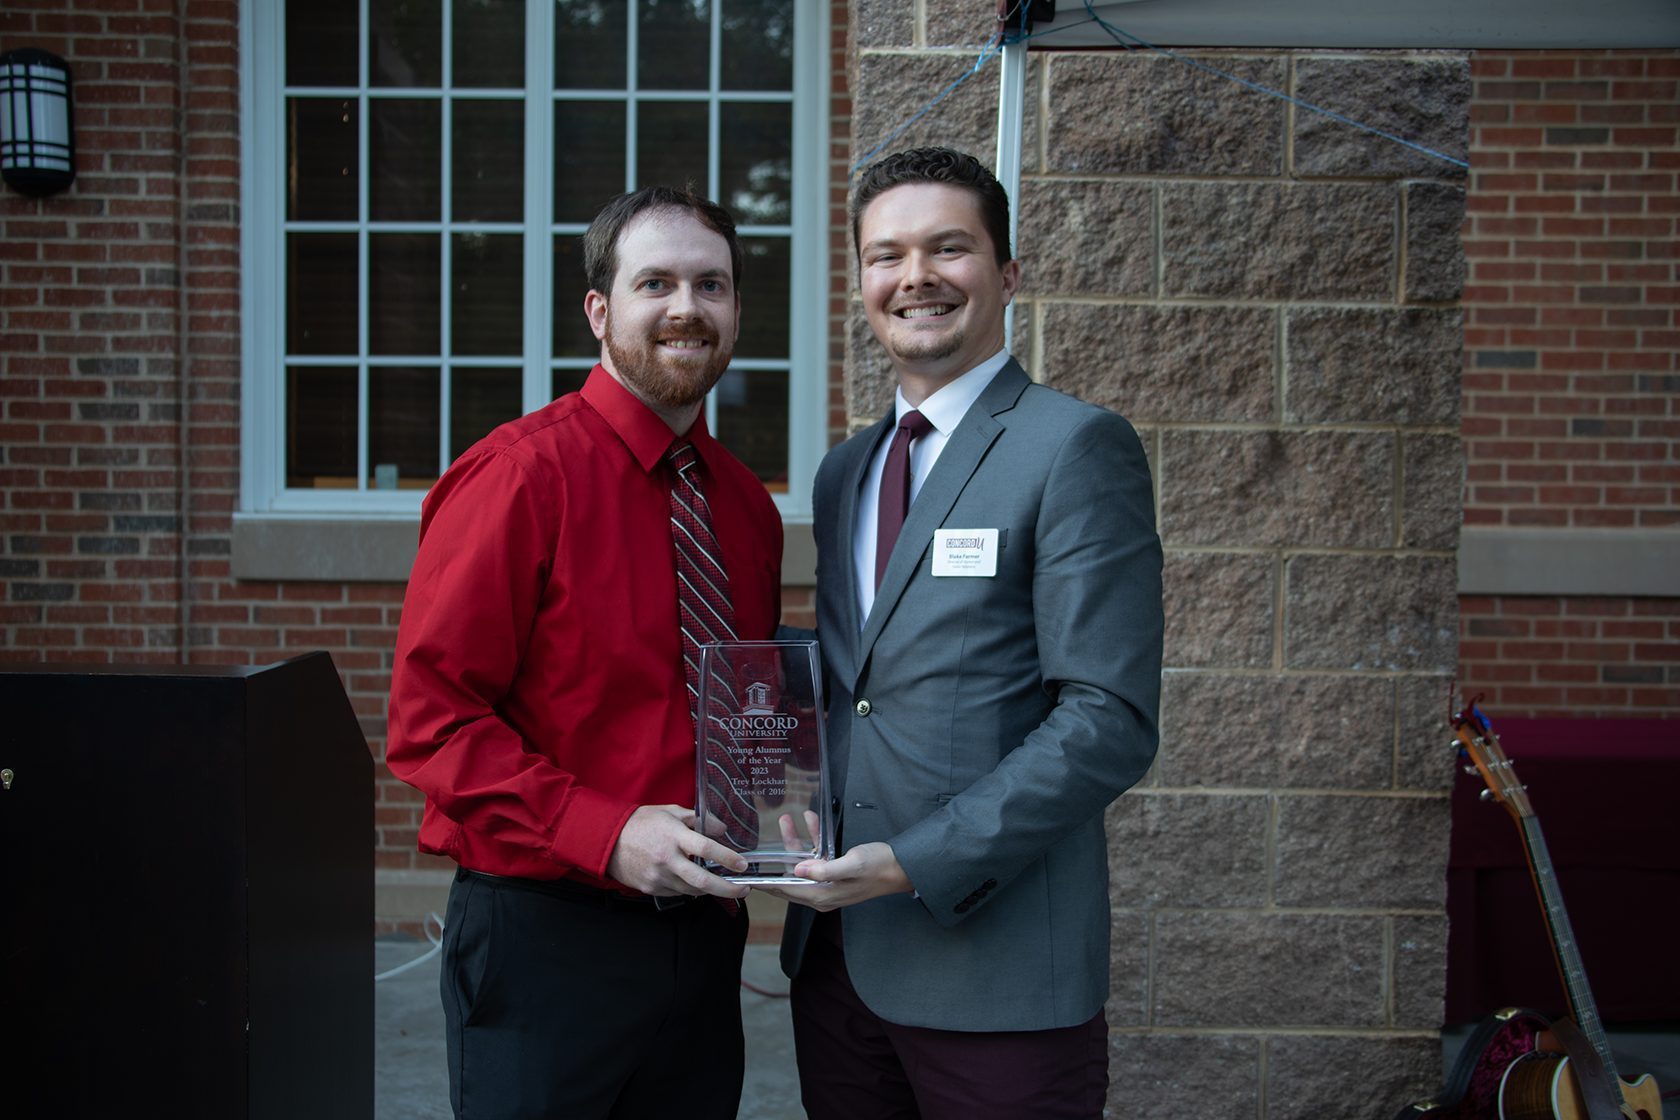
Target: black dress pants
(563, 1001)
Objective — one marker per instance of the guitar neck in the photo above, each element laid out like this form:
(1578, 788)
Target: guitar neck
(1568, 953)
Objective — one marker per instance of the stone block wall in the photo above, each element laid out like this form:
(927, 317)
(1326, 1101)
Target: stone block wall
(1271, 298)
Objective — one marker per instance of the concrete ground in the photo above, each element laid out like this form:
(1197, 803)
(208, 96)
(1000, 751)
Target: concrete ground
(410, 1082)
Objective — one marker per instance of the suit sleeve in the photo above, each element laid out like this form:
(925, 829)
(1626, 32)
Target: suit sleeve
(487, 543)
(1097, 617)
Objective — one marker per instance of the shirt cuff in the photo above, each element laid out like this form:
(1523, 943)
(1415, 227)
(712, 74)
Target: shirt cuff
(590, 823)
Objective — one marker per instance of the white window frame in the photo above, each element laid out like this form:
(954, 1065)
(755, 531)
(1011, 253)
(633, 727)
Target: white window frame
(262, 491)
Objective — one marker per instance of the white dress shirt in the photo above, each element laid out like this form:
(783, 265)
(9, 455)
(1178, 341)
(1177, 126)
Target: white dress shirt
(944, 410)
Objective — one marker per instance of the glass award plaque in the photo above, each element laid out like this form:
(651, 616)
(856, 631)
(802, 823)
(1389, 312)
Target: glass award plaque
(761, 770)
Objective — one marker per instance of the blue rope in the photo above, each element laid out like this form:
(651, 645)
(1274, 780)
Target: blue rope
(943, 94)
(1119, 36)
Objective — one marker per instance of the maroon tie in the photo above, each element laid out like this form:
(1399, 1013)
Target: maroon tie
(702, 584)
(705, 615)
(895, 488)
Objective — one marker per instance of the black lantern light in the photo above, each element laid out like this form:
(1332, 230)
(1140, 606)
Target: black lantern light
(37, 145)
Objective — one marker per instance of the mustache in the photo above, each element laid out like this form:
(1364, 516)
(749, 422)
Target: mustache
(696, 333)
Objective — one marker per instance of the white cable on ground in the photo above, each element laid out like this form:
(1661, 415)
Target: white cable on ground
(437, 947)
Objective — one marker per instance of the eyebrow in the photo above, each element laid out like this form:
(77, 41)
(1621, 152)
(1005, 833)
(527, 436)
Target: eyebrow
(647, 273)
(955, 233)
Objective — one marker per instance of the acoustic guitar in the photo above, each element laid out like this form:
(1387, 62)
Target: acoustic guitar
(1519, 1065)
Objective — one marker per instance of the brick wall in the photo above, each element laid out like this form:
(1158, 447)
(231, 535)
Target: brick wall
(1575, 658)
(97, 288)
(1272, 300)
(1572, 366)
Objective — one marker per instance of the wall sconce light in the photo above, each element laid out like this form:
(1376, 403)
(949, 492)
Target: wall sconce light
(37, 143)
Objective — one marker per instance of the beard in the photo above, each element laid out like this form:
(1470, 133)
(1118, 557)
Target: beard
(917, 348)
(664, 377)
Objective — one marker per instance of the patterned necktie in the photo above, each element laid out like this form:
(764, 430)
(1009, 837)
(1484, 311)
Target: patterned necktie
(705, 615)
(895, 488)
(702, 584)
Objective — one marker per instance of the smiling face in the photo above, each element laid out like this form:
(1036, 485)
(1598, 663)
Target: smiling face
(668, 326)
(933, 290)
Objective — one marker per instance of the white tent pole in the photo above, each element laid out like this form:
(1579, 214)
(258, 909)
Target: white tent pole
(1012, 99)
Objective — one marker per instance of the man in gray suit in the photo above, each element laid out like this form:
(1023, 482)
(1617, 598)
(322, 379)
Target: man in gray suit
(994, 678)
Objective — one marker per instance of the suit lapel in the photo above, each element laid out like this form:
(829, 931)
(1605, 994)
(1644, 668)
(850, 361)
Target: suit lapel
(851, 483)
(945, 483)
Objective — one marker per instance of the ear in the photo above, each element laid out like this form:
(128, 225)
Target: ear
(595, 310)
(1011, 281)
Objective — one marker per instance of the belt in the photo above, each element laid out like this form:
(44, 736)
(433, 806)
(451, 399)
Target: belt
(582, 893)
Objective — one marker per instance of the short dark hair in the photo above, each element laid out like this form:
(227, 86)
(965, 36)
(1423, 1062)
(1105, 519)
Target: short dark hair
(937, 165)
(600, 241)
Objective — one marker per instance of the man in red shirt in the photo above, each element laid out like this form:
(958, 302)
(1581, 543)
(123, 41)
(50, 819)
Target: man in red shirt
(539, 700)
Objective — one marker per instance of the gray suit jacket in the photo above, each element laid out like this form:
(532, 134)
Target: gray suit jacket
(981, 725)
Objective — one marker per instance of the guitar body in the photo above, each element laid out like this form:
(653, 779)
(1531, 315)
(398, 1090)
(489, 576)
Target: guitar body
(1501, 1074)
(1541, 1086)
(1472, 1089)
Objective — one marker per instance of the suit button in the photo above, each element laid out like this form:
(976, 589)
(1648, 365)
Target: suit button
(862, 707)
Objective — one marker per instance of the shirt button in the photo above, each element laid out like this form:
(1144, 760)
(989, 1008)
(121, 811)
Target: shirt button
(863, 707)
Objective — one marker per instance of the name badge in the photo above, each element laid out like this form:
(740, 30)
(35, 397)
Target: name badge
(965, 552)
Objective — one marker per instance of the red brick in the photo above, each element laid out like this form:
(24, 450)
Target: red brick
(1542, 65)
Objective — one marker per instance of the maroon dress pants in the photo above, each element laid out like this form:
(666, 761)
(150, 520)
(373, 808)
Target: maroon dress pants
(853, 1064)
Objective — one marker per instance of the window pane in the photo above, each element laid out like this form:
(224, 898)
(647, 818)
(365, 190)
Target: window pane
(403, 293)
(757, 45)
(567, 381)
(407, 46)
(572, 336)
(479, 399)
(488, 182)
(320, 159)
(673, 44)
(403, 423)
(486, 308)
(589, 43)
(766, 273)
(588, 157)
(489, 43)
(321, 426)
(321, 43)
(321, 293)
(671, 145)
(405, 154)
(752, 421)
(755, 162)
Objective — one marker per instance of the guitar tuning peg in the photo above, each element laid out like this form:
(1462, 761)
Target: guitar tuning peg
(1486, 795)
(1469, 769)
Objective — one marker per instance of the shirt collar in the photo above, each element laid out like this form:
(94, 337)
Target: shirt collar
(951, 401)
(641, 429)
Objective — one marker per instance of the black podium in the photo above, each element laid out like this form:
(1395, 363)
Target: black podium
(186, 915)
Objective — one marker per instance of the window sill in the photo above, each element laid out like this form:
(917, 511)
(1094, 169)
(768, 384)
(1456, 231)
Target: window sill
(381, 550)
(1614, 562)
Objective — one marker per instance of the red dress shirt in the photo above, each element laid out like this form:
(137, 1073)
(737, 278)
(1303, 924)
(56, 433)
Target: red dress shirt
(538, 697)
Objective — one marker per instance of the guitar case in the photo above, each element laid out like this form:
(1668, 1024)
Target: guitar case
(1471, 1091)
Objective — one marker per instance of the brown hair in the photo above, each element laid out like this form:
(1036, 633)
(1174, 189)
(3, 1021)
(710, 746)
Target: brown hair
(600, 241)
(937, 165)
